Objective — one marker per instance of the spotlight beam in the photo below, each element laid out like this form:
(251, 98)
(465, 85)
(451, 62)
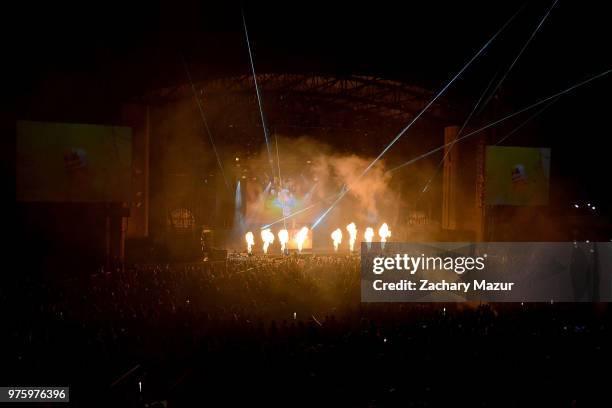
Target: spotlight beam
(538, 103)
(409, 125)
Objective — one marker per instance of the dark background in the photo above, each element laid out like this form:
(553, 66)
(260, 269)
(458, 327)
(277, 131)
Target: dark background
(77, 62)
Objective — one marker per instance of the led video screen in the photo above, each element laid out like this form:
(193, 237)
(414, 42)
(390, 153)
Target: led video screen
(517, 175)
(267, 203)
(69, 162)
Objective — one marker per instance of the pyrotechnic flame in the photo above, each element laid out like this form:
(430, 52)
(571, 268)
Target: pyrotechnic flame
(250, 240)
(283, 238)
(352, 230)
(268, 237)
(300, 237)
(384, 232)
(337, 237)
(369, 234)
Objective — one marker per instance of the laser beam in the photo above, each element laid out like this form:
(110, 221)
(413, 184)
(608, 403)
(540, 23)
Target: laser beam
(280, 180)
(429, 104)
(311, 206)
(258, 93)
(518, 56)
(435, 98)
(491, 124)
(519, 127)
(205, 122)
(460, 132)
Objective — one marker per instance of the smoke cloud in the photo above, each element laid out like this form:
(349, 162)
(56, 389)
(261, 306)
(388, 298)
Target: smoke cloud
(315, 172)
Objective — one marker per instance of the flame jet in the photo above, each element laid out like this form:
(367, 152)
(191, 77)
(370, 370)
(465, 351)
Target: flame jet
(268, 237)
(250, 240)
(368, 235)
(283, 238)
(384, 232)
(337, 238)
(352, 230)
(300, 237)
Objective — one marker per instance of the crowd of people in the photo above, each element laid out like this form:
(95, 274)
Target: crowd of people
(292, 331)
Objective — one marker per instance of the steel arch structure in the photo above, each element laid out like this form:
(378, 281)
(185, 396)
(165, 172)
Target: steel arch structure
(311, 100)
